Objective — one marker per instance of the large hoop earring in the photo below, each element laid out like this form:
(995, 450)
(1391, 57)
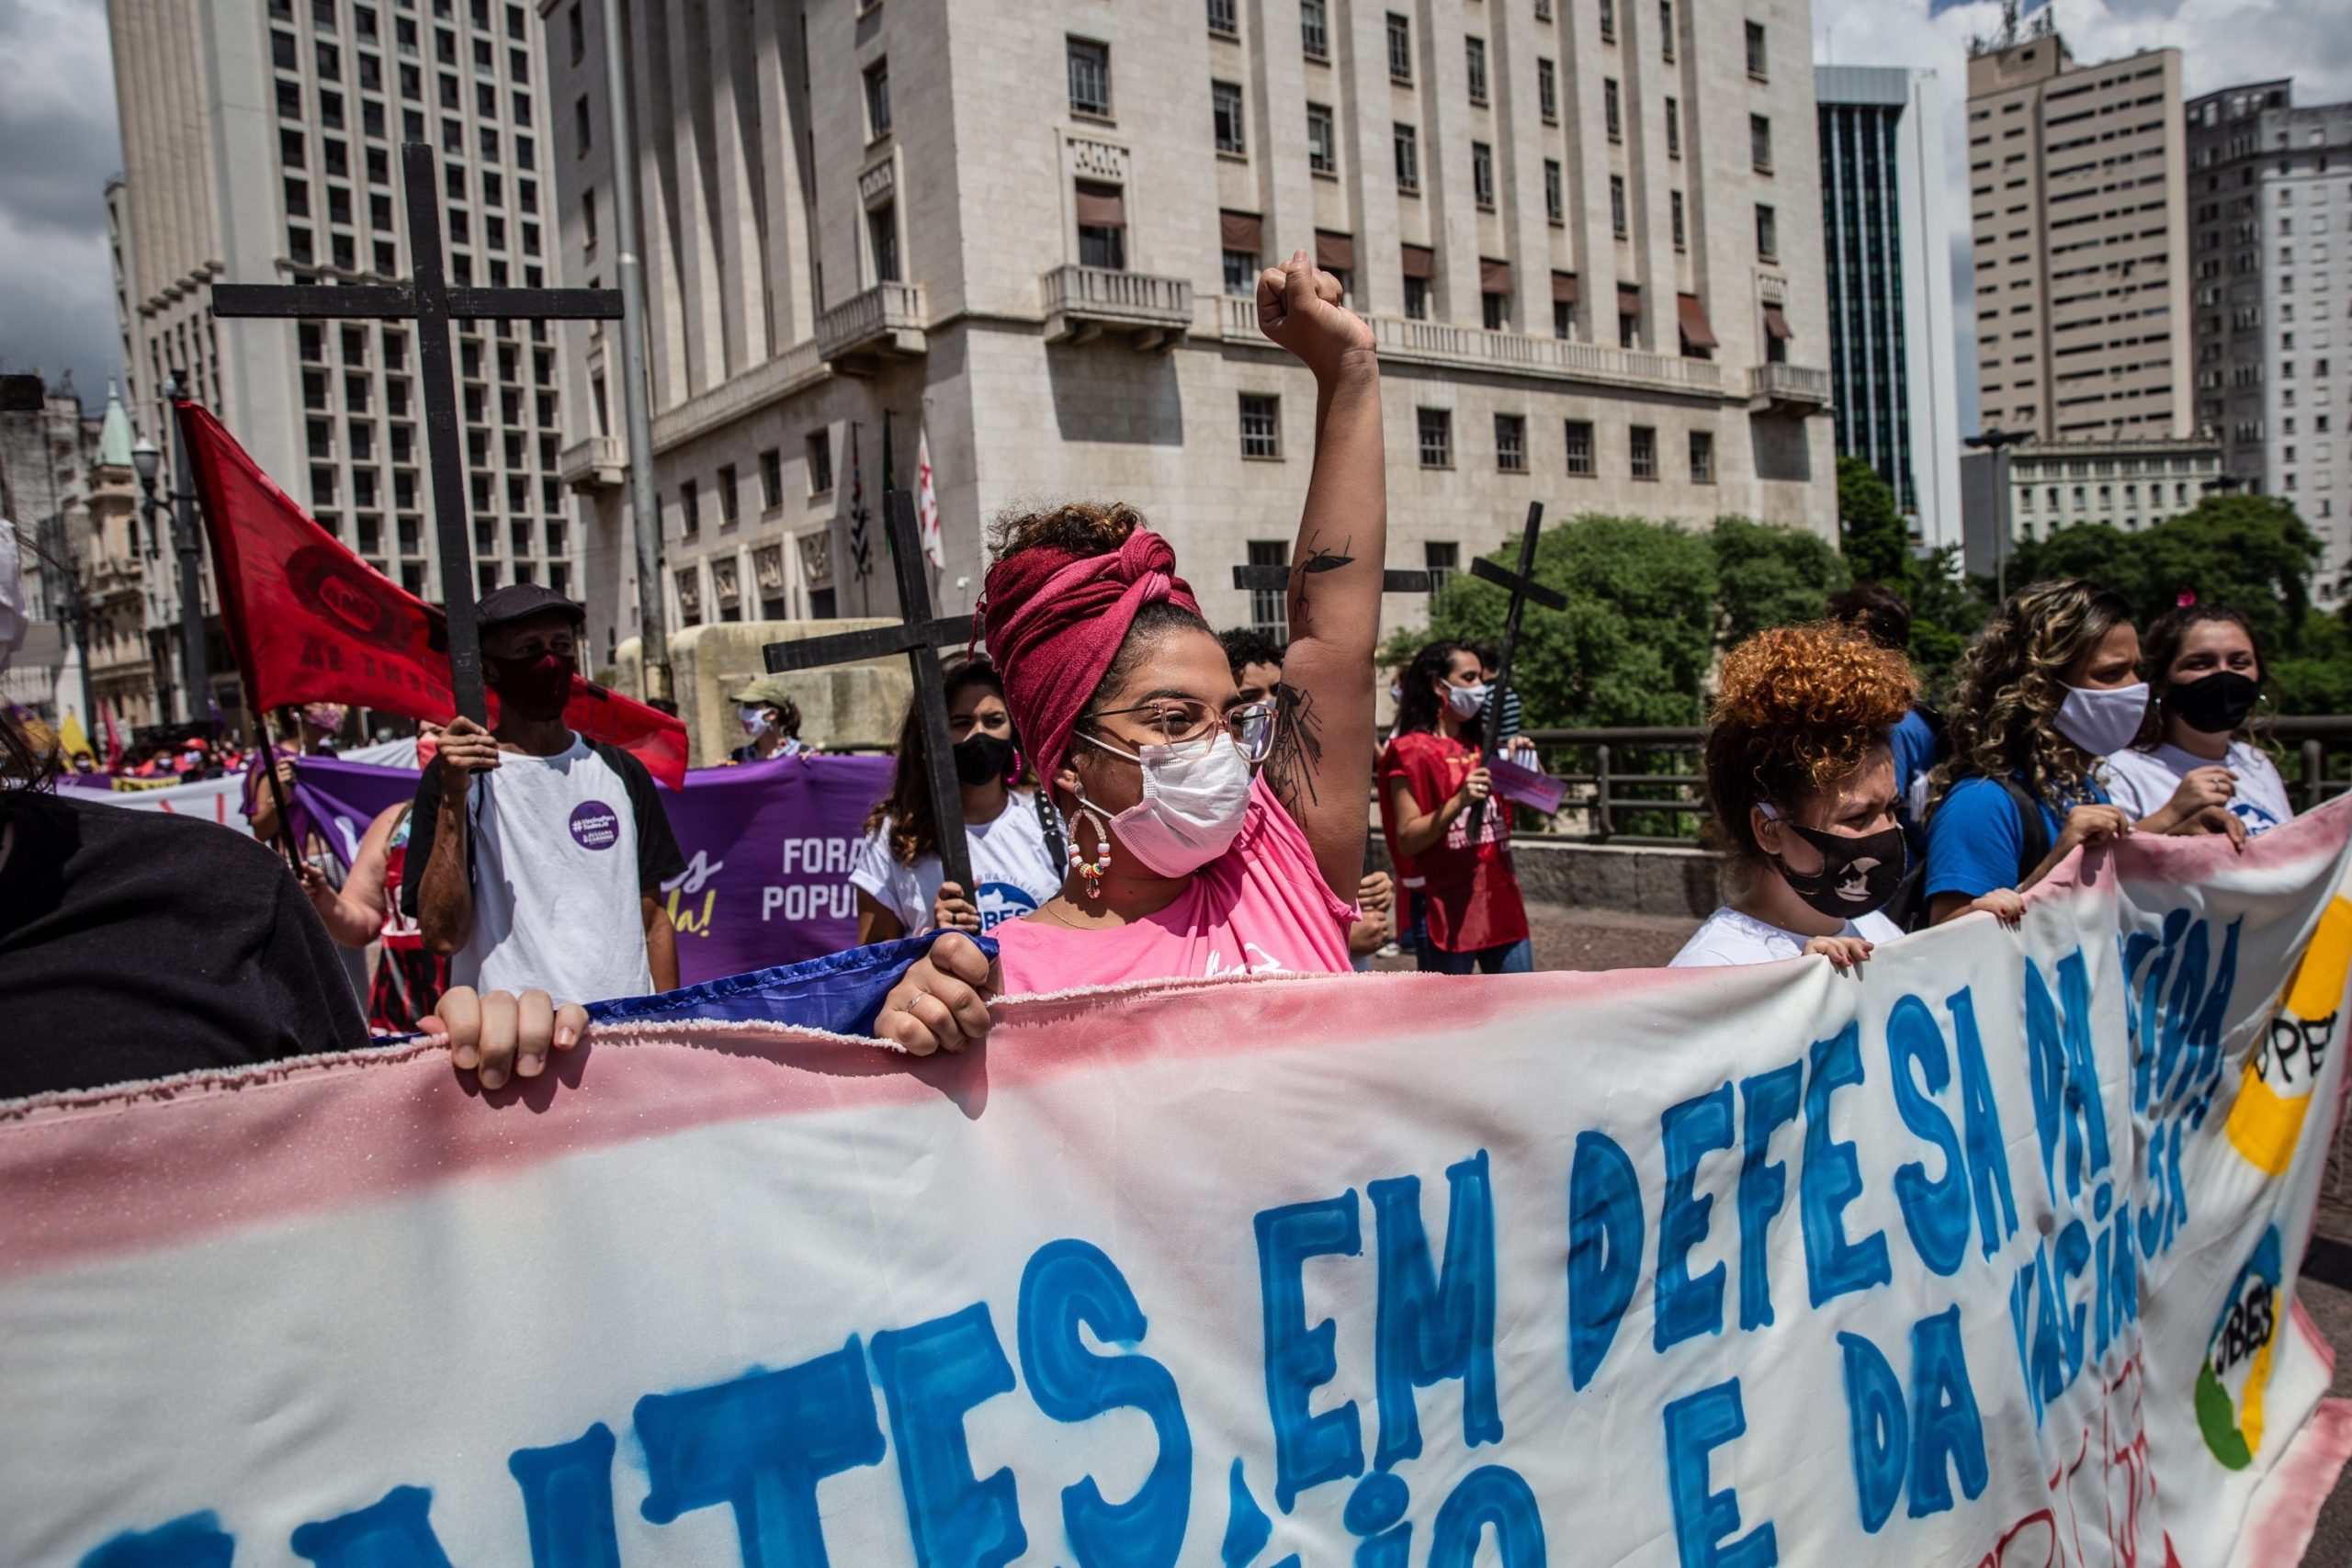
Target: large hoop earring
(1090, 873)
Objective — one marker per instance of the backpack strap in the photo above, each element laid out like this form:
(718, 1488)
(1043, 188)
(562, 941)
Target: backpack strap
(2033, 829)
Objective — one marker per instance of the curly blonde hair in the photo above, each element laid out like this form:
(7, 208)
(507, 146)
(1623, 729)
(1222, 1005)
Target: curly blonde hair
(2013, 680)
(1797, 711)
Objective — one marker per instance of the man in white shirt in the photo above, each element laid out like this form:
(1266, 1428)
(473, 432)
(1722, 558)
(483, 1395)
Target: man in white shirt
(542, 853)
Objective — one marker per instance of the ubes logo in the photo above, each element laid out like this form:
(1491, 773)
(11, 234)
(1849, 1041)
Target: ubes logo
(2231, 1383)
(594, 825)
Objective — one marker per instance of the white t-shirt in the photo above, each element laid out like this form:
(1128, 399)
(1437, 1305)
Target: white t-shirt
(1008, 860)
(563, 848)
(2142, 781)
(1731, 937)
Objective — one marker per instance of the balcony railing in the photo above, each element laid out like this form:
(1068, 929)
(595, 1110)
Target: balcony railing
(1083, 300)
(762, 384)
(884, 321)
(1791, 386)
(596, 463)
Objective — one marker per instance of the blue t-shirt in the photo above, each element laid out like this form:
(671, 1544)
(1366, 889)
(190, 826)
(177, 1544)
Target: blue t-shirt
(1974, 838)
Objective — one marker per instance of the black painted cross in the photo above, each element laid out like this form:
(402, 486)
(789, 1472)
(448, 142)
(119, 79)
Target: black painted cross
(920, 636)
(429, 301)
(1521, 586)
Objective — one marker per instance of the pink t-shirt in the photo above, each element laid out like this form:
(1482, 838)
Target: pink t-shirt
(1259, 909)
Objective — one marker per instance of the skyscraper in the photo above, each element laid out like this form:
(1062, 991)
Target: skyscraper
(1889, 253)
(2076, 195)
(1584, 236)
(2271, 271)
(260, 144)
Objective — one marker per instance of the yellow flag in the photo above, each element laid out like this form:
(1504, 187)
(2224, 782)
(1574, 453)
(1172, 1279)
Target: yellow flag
(71, 739)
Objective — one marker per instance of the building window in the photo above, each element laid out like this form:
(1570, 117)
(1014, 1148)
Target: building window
(1547, 91)
(1555, 197)
(1314, 28)
(1511, 443)
(1481, 174)
(579, 30)
(1755, 60)
(1608, 21)
(1436, 426)
(1492, 308)
(1102, 226)
(1322, 141)
(1702, 456)
(689, 510)
(1666, 30)
(1645, 451)
(729, 502)
(878, 99)
(588, 219)
(1629, 324)
(882, 237)
(1580, 447)
(580, 136)
(1225, 107)
(1222, 22)
(1409, 158)
(1441, 559)
(1262, 426)
(1611, 112)
(1673, 129)
(1417, 298)
(1401, 48)
(1240, 274)
(1090, 78)
(1563, 318)
(819, 448)
(1681, 230)
(1767, 233)
(1617, 223)
(771, 480)
(1759, 143)
(1474, 50)
(1270, 607)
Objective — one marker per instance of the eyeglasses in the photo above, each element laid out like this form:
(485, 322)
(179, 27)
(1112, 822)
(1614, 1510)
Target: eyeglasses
(1180, 719)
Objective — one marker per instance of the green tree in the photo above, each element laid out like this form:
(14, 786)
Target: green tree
(2250, 552)
(1870, 532)
(1946, 611)
(1768, 576)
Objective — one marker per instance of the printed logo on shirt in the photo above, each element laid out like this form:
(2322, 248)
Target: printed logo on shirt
(2256, 818)
(595, 826)
(1001, 901)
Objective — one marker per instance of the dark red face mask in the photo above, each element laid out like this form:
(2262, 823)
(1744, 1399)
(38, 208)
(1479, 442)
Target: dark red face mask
(538, 687)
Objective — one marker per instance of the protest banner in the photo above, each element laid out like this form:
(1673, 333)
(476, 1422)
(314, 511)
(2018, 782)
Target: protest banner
(1985, 1256)
(768, 847)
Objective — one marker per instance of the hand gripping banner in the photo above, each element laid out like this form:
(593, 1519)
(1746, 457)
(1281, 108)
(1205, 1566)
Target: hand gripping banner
(1984, 1258)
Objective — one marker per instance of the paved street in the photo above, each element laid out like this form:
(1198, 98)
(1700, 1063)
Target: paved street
(1575, 939)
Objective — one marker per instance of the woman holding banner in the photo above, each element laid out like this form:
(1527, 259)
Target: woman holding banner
(1470, 917)
(2196, 767)
(898, 872)
(1182, 862)
(2049, 687)
(1802, 784)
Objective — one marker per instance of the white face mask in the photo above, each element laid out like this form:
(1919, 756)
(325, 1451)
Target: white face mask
(1467, 701)
(1195, 794)
(2103, 721)
(755, 721)
(12, 594)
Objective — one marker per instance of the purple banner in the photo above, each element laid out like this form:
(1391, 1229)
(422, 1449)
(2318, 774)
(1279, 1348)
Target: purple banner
(768, 847)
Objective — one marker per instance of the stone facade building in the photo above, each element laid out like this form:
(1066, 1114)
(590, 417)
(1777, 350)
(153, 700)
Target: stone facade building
(2078, 202)
(2270, 224)
(2127, 485)
(1585, 232)
(261, 145)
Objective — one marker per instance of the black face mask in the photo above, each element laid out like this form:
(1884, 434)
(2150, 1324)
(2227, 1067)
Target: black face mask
(983, 758)
(1858, 874)
(2215, 705)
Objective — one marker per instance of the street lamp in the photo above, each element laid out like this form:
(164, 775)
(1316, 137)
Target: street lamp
(195, 675)
(62, 580)
(1998, 442)
(147, 459)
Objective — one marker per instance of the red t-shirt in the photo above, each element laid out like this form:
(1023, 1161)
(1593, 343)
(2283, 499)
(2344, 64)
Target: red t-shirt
(1469, 892)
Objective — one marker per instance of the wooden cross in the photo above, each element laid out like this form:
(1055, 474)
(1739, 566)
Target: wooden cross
(1521, 586)
(429, 301)
(920, 636)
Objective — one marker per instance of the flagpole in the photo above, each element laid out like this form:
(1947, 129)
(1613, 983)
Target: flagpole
(193, 672)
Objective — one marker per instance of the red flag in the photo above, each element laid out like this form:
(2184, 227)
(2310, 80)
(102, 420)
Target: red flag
(311, 622)
(114, 738)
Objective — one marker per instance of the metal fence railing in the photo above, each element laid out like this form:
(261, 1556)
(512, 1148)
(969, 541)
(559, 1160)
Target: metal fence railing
(1644, 785)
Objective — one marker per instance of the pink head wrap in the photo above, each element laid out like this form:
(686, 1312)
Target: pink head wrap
(1054, 621)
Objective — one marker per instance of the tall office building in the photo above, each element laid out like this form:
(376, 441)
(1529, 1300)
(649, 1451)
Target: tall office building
(2270, 205)
(1891, 351)
(1585, 235)
(261, 145)
(2076, 194)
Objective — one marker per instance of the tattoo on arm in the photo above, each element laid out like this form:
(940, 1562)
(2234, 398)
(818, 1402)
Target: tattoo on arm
(1297, 753)
(1312, 559)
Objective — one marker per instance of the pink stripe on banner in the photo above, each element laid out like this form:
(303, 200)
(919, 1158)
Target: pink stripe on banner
(83, 1177)
(2297, 1487)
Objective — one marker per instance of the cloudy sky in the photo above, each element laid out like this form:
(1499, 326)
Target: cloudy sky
(58, 139)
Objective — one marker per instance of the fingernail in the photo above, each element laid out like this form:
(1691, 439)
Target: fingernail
(466, 1056)
(529, 1066)
(565, 1035)
(493, 1079)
